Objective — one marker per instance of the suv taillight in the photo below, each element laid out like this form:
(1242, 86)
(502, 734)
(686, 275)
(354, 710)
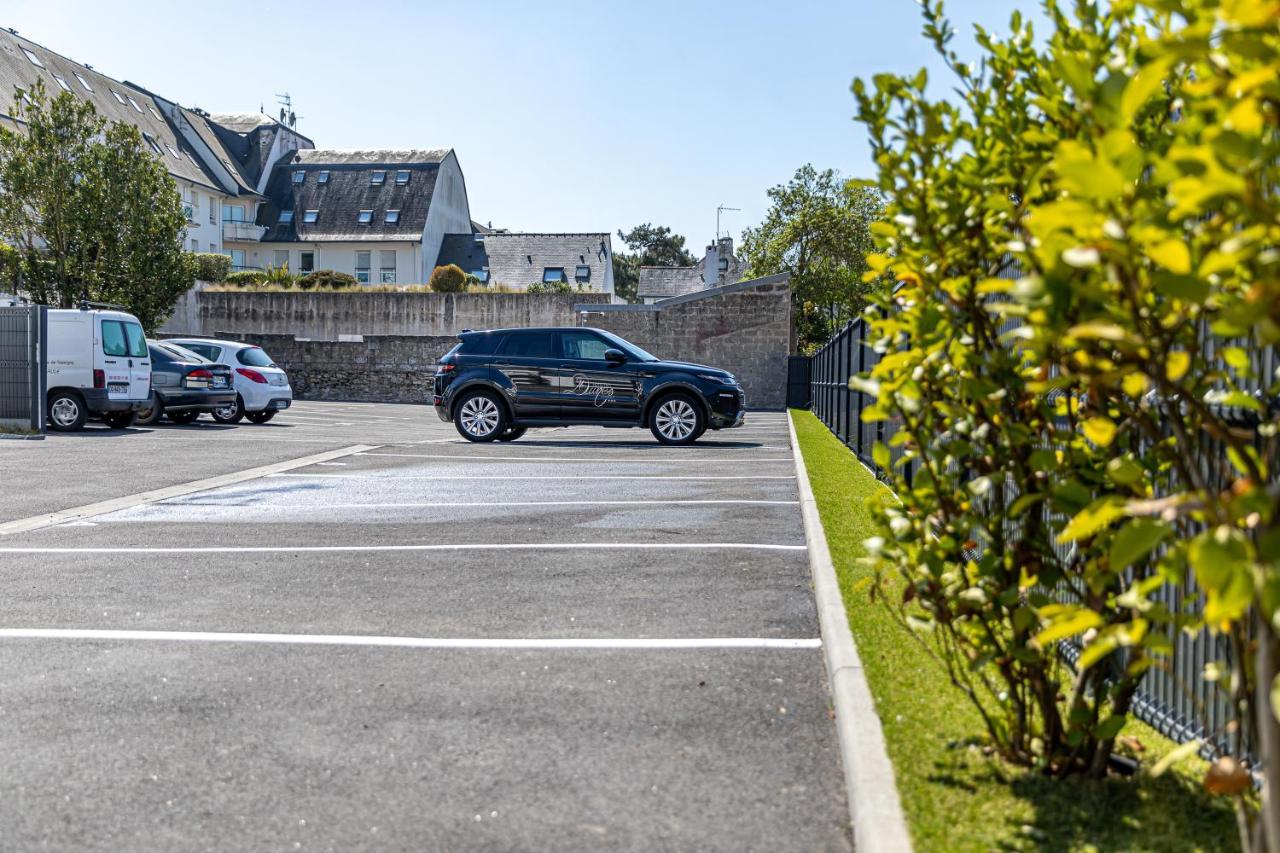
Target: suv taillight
(99, 379)
(445, 367)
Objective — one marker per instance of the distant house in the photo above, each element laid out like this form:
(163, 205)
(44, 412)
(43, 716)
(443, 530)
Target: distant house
(379, 215)
(517, 260)
(719, 266)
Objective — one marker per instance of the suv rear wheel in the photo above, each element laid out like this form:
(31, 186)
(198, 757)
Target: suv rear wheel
(512, 434)
(480, 417)
(677, 419)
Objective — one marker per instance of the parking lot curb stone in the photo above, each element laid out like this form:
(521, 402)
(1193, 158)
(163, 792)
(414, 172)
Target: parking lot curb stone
(878, 822)
(36, 522)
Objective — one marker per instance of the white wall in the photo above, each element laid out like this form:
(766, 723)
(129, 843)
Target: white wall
(340, 257)
(449, 213)
(204, 201)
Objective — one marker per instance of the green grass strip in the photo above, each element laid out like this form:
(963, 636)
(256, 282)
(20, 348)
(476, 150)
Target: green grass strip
(955, 796)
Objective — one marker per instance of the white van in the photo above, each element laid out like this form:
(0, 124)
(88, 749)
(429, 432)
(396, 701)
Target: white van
(98, 365)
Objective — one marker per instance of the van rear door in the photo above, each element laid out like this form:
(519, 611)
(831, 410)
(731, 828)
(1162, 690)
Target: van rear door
(126, 363)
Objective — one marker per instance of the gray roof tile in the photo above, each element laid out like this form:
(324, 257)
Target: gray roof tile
(518, 260)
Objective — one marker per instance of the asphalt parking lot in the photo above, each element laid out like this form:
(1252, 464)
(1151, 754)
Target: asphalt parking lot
(578, 640)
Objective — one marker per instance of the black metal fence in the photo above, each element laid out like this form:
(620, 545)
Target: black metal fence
(1174, 699)
(22, 366)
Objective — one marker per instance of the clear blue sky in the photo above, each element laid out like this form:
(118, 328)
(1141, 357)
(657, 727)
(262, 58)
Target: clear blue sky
(566, 116)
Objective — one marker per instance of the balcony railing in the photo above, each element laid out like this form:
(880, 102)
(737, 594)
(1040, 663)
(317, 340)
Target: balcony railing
(237, 231)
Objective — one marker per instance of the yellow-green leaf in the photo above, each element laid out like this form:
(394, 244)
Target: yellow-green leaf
(1175, 755)
(1135, 384)
(880, 454)
(1177, 366)
(1141, 87)
(1070, 624)
(1101, 431)
(1093, 518)
(1173, 255)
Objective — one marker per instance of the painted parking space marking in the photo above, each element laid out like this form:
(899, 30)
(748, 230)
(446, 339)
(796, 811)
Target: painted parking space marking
(539, 477)
(464, 643)
(435, 546)
(608, 461)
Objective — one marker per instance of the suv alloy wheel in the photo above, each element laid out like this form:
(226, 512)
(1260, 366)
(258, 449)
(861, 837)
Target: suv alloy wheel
(480, 417)
(677, 420)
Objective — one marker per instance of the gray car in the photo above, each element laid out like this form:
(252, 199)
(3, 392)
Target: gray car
(184, 384)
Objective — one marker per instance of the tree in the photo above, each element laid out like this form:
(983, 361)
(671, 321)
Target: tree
(448, 279)
(92, 212)
(651, 246)
(1077, 362)
(817, 230)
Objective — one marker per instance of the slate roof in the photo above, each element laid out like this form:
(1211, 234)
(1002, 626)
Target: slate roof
(665, 282)
(349, 190)
(246, 123)
(16, 70)
(222, 148)
(518, 260)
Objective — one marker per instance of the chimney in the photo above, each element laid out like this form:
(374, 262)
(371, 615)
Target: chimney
(716, 263)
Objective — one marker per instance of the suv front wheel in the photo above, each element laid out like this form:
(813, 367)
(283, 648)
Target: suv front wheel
(480, 417)
(677, 419)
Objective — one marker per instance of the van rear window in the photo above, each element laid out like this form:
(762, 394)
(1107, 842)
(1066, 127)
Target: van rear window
(113, 341)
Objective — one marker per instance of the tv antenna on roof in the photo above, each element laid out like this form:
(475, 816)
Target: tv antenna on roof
(719, 210)
(287, 115)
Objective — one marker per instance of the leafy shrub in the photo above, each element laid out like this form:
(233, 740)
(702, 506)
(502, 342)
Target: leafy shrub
(280, 276)
(246, 278)
(326, 279)
(208, 266)
(1084, 251)
(448, 279)
(550, 287)
(10, 265)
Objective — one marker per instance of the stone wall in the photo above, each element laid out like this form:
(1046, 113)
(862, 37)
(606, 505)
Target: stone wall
(377, 369)
(331, 316)
(744, 328)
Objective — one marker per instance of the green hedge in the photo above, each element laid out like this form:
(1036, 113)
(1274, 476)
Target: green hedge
(326, 278)
(246, 278)
(207, 266)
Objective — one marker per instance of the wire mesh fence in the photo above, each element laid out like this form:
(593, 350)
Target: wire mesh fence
(22, 366)
(1175, 699)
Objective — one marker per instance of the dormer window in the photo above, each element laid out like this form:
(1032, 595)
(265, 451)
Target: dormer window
(365, 217)
(378, 178)
(83, 82)
(309, 217)
(35, 60)
(723, 265)
(286, 216)
(299, 176)
(482, 275)
(323, 177)
(553, 274)
(582, 272)
(392, 217)
(402, 176)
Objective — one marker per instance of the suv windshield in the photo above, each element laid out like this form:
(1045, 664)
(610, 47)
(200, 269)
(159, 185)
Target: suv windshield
(629, 348)
(254, 357)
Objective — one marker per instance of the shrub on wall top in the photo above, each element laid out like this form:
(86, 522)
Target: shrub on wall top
(246, 278)
(550, 287)
(207, 266)
(326, 279)
(448, 279)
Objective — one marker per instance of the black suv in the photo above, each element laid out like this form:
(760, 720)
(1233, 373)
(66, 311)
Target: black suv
(496, 384)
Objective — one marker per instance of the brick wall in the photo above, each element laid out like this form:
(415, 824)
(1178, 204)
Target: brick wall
(377, 369)
(744, 328)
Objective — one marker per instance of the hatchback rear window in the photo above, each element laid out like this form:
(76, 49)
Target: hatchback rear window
(254, 357)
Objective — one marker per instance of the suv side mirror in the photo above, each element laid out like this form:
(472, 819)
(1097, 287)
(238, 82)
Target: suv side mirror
(615, 356)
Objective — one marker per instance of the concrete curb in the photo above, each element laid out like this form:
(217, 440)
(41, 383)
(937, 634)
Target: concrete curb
(36, 522)
(878, 822)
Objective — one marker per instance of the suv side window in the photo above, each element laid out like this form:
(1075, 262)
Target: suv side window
(582, 345)
(527, 345)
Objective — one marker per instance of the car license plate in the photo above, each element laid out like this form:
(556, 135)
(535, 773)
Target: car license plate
(118, 388)
(219, 382)
(282, 404)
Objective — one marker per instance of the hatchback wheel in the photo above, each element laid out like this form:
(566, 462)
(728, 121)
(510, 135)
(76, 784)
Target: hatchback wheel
(151, 414)
(231, 413)
(480, 417)
(66, 411)
(677, 420)
(182, 417)
(260, 417)
(118, 420)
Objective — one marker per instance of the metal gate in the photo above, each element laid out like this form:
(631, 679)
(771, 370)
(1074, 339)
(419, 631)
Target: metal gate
(23, 330)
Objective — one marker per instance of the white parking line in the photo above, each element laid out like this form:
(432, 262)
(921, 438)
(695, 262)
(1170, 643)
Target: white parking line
(538, 477)
(462, 504)
(464, 546)
(628, 459)
(512, 644)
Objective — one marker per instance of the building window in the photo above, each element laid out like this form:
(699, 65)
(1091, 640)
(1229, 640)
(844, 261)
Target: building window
(233, 213)
(379, 177)
(155, 146)
(299, 177)
(135, 105)
(723, 265)
(195, 201)
(213, 211)
(310, 216)
(154, 113)
(482, 275)
(237, 258)
(402, 176)
(83, 82)
(306, 262)
(62, 83)
(173, 151)
(35, 60)
(582, 272)
(362, 267)
(286, 216)
(323, 177)
(117, 94)
(550, 274)
(365, 217)
(387, 266)
(195, 244)
(280, 258)
(393, 216)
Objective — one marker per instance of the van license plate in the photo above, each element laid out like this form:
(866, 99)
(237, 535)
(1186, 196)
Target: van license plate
(118, 388)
